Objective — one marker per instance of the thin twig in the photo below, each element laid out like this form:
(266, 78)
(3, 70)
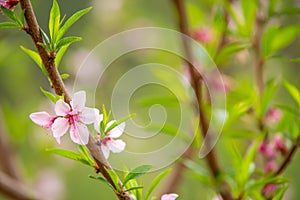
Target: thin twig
(288, 157)
(60, 89)
(211, 158)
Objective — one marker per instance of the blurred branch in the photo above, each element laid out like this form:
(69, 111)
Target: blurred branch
(14, 189)
(8, 162)
(288, 157)
(60, 89)
(211, 158)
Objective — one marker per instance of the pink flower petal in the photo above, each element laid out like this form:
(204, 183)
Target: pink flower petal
(117, 131)
(62, 108)
(88, 115)
(42, 119)
(116, 146)
(105, 150)
(171, 196)
(60, 127)
(78, 101)
(79, 133)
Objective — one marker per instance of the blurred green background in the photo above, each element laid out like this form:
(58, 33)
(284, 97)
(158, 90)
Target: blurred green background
(20, 80)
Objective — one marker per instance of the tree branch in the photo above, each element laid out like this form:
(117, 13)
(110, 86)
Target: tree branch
(288, 157)
(14, 189)
(60, 89)
(196, 78)
(8, 162)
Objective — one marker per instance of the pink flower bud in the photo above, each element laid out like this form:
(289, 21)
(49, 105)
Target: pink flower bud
(279, 144)
(263, 146)
(203, 35)
(271, 166)
(9, 4)
(269, 189)
(273, 115)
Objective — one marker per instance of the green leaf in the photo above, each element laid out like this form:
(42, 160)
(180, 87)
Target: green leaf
(103, 180)
(134, 188)
(71, 21)
(114, 177)
(249, 11)
(44, 46)
(60, 54)
(22, 17)
(67, 41)
(69, 154)
(84, 152)
(54, 21)
(276, 38)
(293, 91)
(229, 50)
(155, 182)
(36, 58)
(10, 14)
(267, 96)
(45, 36)
(49, 95)
(280, 193)
(64, 76)
(9, 25)
(139, 171)
(116, 123)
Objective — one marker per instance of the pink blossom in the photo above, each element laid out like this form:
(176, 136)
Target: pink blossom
(108, 143)
(271, 166)
(273, 115)
(203, 35)
(73, 116)
(218, 198)
(9, 4)
(268, 189)
(267, 150)
(171, 196)
(279, 144)
(42, 119)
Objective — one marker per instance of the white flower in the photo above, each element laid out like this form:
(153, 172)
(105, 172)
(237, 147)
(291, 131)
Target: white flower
(108, 143)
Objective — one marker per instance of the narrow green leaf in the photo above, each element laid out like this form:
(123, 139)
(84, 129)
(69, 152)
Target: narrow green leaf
(67, 41)
(293, 91)
(45, 36)
(84, 152)
(9, 25)
(229, 50)
(36, 58)
(69, 154)
(114, 177)
(249, 11)
(64, 76)
(54, 21)
(60, 54)
(116, 123)
(10, 14)
(44, 46)
(71, 21)
(267, 96)
(275, 38)
(22, 17)
(134, 188)
(155, 182)
(136, 173)
(49, 95)
(103, 180)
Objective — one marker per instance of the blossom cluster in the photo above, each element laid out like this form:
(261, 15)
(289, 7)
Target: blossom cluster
(74, 117)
